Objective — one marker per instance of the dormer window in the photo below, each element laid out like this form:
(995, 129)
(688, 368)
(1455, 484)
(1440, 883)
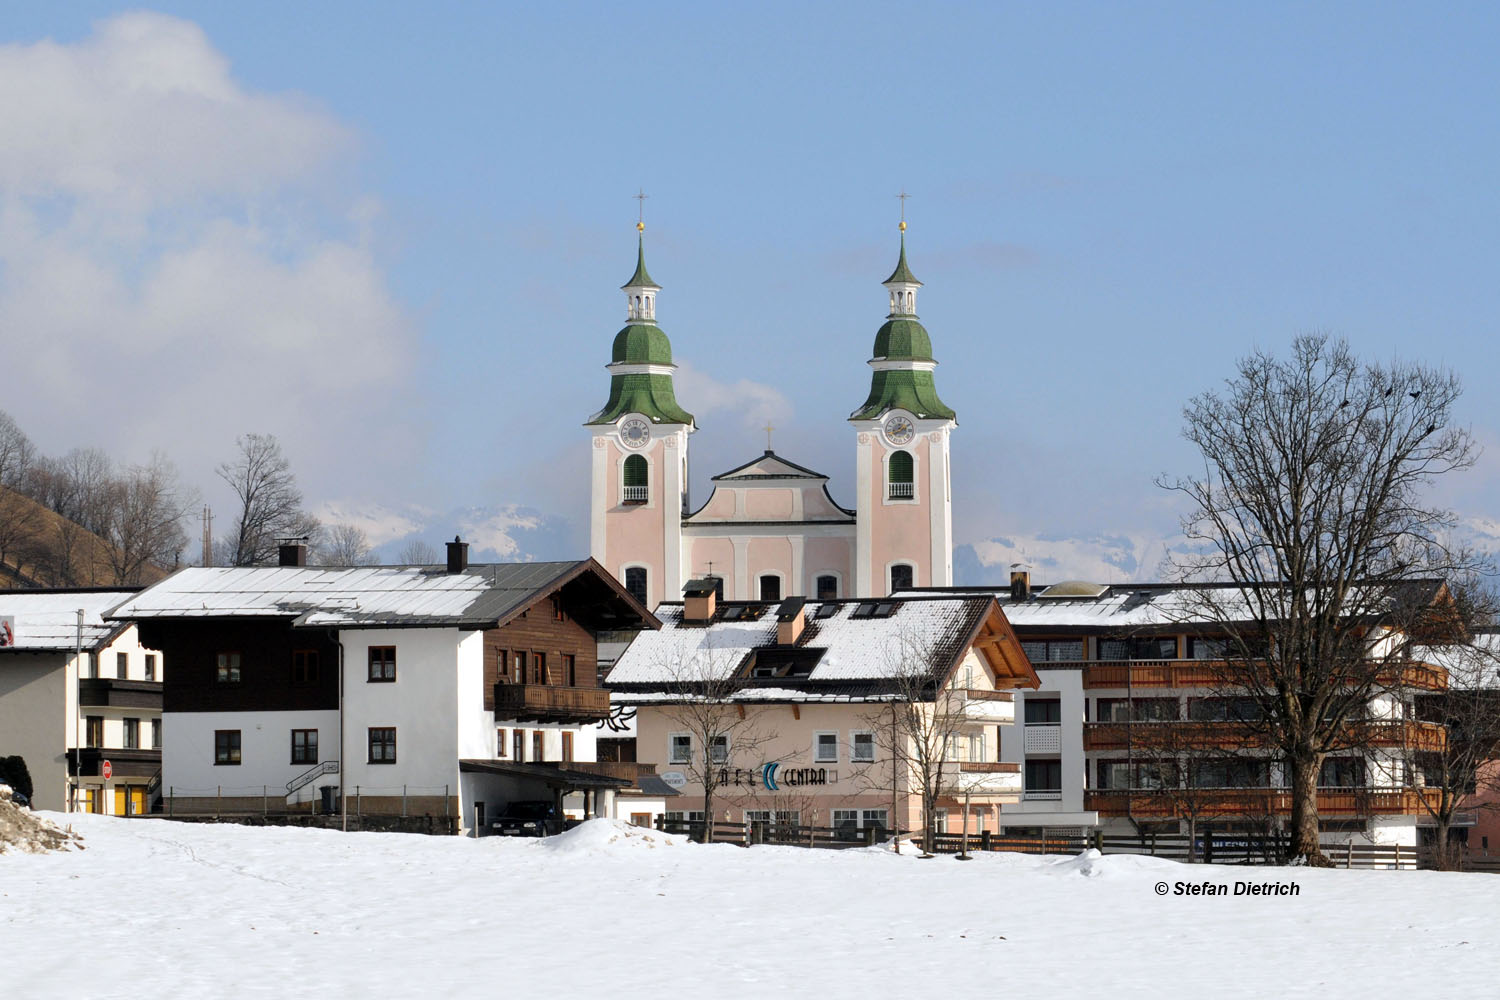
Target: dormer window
(636, 489)
(900, 483)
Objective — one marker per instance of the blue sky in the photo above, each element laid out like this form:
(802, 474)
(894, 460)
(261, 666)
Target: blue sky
(1109, 205)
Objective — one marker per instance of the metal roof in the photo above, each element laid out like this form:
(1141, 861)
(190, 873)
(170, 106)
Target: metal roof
(369, 596)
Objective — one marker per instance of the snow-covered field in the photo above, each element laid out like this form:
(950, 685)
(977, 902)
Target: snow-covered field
(160, 909)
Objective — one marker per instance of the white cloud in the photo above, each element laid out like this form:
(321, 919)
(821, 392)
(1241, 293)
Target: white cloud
(165, 278)
(1122, 558)
(752, 403)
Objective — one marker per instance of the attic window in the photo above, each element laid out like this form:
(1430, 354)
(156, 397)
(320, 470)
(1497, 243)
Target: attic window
(875, 609)
(827, 611)
(733, 613)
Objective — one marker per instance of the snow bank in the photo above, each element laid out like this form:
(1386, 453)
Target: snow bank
(610, 835)
(25, 832)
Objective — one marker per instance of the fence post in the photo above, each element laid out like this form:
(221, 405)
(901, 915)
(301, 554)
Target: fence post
(171, 795)
(870, 836)
(262, 801)
(1348, 854)
(1208, 846)
(445, 801)
(1098, 837)
(403, 802)
(1398, 857)
(218, 800)
(984, 840)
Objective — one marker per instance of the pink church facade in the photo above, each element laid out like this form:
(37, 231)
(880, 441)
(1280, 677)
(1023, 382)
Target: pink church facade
(771, 528)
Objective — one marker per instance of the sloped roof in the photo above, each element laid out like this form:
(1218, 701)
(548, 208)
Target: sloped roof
(47, 620)
(857, 658)
(482, 596)
(770, 466)
(1139, 606)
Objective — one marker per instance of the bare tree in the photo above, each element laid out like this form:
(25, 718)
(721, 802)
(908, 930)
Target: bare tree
(19, 515)
(725, 734)
(417, 553)
(345, 545)
(1311, 503)
(919, 730)
(144, 522)
(270, 502)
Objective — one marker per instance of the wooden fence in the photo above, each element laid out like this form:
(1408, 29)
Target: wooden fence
(1215, 848)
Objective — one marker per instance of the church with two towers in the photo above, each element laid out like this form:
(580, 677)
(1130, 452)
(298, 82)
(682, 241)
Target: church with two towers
(770, 528)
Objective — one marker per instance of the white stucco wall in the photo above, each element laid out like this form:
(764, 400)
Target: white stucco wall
(188, 768)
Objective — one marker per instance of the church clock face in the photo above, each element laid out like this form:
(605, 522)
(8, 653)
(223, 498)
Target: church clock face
(899, 430)
(635, 432)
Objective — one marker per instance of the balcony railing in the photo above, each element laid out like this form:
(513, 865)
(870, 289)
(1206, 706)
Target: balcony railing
(1218, 673)
(1043, 738)
(87, 762)
(635, 494)
(110, 692)
(1042, 795)
(901, 491)
(1222, 802)
(985, 706)
(982, 778)
(1172, 736)
(551, 703)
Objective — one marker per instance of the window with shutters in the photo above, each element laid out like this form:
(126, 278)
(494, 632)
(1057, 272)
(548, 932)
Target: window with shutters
(636, 489)
(899, 477)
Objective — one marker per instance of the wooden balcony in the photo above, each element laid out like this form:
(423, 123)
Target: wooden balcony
(1258, 802)
(985, 706)
(110, 692)
(88, 762)
(1147, 674)
(1173, 737)
(551, 703)
(984, 778)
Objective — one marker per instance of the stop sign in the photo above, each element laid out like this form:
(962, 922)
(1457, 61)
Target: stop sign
(107, 770)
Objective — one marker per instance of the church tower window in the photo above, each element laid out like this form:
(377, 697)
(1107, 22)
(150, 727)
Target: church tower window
(899, 477)
(828, 587)
(770, 587)
(636, 489)
(901, 577)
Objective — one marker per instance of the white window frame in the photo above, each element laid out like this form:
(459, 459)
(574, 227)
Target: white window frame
(838, 585)
(915, 581)
(715, 755)
(854, 757)
(885, 476)
(817, 747)
(780, 584)
(672, 757)
(644, 567)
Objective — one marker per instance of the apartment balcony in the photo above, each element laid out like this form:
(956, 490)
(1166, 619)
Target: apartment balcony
(109, 692)
(984, 778)
(1210, 803)
(1179, 674)
(986, 706)
(87, 762)
(1173, 737)
(551, 703)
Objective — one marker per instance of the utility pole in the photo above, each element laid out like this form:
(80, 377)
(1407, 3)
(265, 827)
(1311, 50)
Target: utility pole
(208, 536)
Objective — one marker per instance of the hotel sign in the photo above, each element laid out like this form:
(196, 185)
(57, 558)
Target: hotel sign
(773, 776)
(7, 631)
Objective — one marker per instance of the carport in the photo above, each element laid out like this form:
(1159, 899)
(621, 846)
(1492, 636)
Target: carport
(492, 782)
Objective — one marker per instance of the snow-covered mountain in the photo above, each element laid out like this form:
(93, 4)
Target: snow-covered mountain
(509, 533)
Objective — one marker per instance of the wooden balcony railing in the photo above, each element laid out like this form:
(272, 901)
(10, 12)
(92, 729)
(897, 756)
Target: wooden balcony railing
(551, 703)
(110, 692)
(1173, 736)
(1219, 674)
(1223, 802)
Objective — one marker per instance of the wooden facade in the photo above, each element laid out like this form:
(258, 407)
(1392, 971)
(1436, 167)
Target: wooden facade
(267, 648)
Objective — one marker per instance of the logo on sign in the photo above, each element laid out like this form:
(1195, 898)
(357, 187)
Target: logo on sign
(107, 769)
(674, 779)
(7, 631)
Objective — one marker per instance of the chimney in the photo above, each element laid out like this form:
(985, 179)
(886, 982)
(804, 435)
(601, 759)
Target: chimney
(291, 554)
(458, 555)
(1020, 584)
(698, 600)
(791, 618)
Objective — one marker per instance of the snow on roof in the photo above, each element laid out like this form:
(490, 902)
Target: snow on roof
(1470, 666)
(48, 619)
(366, 595)
(855, 649)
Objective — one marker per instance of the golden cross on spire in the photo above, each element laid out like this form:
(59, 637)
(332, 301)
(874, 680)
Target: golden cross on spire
(903, 196)
(768, 429)
(640, 217)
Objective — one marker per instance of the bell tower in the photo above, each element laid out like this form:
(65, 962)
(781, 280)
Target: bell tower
(904, 502)
(640, 439)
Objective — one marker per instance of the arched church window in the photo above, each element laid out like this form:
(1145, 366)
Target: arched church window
(911, 299)
(901, 577)
(828, 587)
(770, 587)
(899, 477)
(636, 488)
(635, 582)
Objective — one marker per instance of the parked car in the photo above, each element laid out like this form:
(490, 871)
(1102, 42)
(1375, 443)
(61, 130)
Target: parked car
(527, 819)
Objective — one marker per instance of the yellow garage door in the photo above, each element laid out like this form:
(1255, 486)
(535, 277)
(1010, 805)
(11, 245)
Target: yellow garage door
(119, 809)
